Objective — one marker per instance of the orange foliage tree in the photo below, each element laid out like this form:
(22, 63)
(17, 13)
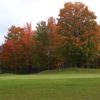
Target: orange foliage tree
(77, 25)
(55, 41)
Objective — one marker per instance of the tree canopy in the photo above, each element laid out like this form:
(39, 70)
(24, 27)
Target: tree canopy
(71, 40)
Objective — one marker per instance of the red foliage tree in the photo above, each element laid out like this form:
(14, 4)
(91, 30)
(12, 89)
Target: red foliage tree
(17, 49)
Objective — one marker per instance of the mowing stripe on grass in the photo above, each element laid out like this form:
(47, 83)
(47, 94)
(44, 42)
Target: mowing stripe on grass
(52, 76)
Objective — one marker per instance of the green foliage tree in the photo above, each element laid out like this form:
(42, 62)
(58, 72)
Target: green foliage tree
(41, 49)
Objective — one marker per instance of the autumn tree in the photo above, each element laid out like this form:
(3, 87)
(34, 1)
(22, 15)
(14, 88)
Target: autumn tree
(17, 50)
(97, 60)
(55, 41)
(77, 25)
(9, 48)
(49, 41)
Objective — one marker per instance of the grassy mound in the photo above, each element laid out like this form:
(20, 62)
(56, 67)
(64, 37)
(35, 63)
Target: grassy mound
(66, 84)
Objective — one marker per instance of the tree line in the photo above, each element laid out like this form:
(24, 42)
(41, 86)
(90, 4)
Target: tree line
(71, 40)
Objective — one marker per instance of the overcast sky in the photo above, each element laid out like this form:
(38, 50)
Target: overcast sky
(18, 12)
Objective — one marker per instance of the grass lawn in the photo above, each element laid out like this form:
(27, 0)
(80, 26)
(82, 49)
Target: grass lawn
(67, 84)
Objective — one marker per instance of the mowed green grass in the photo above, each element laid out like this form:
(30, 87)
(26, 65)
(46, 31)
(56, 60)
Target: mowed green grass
(67, 84)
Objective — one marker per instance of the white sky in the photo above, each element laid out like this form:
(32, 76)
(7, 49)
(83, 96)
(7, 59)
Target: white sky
(18, 12)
